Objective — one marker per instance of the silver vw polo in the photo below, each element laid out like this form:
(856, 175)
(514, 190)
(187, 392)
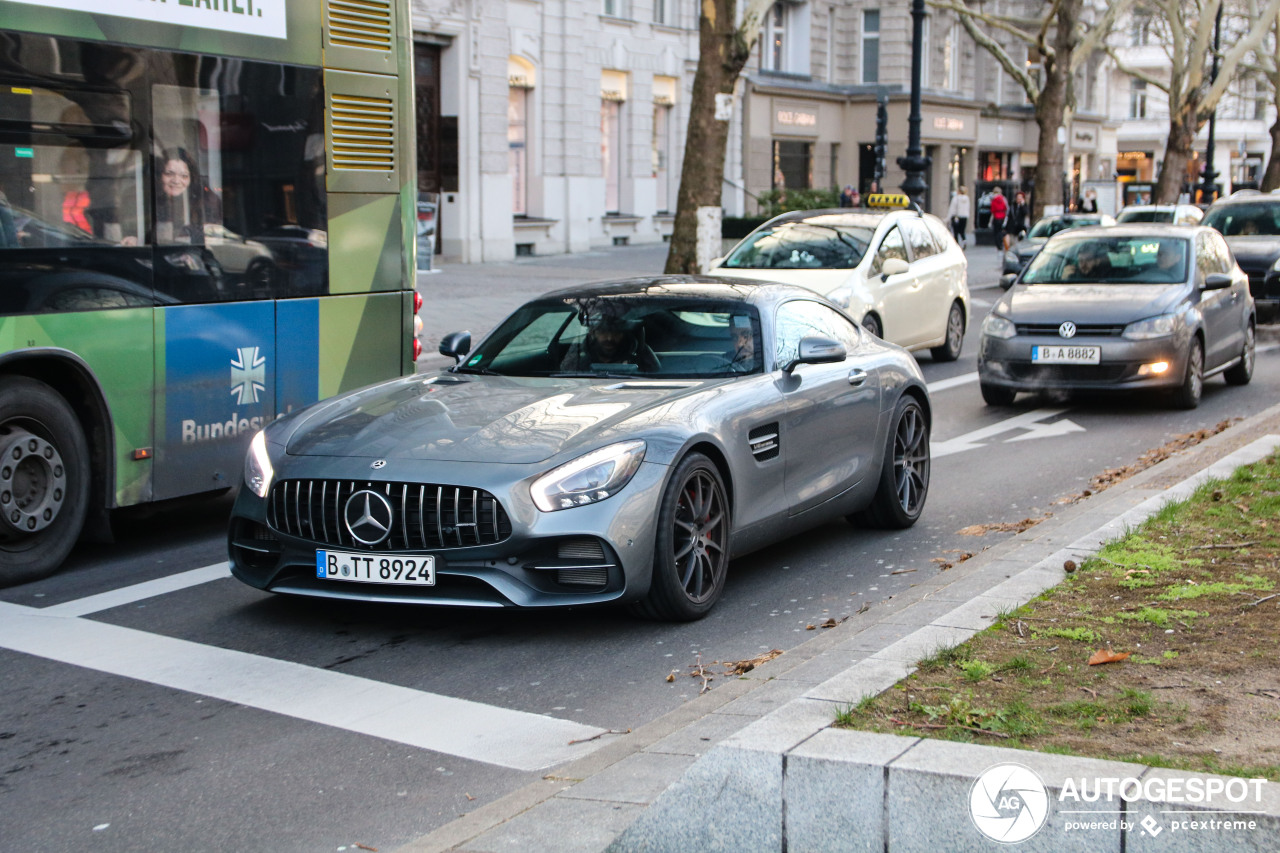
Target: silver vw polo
(1121, 308)
(616, 442)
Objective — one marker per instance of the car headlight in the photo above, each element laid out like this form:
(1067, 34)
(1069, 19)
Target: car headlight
(588, 479)
(257, 466)
(1152, 327)
(1276, 266)
(996, 326)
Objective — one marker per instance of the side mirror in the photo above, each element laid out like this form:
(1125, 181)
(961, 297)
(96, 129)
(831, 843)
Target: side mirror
(1217, 281)
(817, 350)
(456, 345)
(893, 266)
(1007, 280)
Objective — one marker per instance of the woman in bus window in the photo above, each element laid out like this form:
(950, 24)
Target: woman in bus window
(184, 203)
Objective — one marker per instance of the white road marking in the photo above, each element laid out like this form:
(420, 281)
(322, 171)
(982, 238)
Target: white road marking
(458, 727)
(1053, 430)
(139, 591)
(972, 440)
(953, 382)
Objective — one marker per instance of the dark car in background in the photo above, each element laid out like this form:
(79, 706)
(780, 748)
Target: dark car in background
(1123, 308)
(1015, 260)
(1250, 221)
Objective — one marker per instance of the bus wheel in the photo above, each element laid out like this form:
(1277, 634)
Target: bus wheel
(44, 480)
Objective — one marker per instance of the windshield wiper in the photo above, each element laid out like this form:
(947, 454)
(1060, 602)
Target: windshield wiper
(481, 371)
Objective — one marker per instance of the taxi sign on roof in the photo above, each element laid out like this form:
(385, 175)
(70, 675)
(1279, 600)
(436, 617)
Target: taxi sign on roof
(888, 200)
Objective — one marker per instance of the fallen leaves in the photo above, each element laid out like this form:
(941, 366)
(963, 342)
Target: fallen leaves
(735, 667)
(1102, 656)
(1002, 526)
(945, 563)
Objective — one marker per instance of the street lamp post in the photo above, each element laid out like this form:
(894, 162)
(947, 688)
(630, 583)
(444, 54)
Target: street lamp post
(915, 164)
(1209, 185)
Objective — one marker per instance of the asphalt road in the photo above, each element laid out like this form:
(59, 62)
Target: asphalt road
(205, 715)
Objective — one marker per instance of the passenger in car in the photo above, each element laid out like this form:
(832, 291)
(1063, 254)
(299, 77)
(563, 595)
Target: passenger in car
(742, 357)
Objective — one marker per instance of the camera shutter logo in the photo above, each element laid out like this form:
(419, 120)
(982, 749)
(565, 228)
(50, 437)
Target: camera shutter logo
(368, 517)
(1008, 803)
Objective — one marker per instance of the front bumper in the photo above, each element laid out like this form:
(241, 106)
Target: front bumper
(591, 554)
(1007, 364)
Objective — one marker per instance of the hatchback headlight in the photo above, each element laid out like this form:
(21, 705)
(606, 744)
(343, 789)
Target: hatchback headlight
(257, 466)
(1152, 327)
(588, 479)
(996, 326)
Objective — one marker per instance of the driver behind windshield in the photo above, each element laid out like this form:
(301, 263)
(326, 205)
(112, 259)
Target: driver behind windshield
(609, 340)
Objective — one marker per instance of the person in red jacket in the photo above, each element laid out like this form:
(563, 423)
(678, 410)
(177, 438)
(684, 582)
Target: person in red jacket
(999, 212)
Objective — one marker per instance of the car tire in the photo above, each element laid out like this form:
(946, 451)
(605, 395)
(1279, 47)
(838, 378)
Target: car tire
(1187, 395)
(950, 349)
(904, 476)
(691, 553)
(996, 395)
(44, 480)
(1242, 372)
(872, 324)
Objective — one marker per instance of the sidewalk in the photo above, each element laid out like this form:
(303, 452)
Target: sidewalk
(755, 764)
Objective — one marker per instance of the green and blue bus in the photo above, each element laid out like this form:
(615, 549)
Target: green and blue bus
(207, 219)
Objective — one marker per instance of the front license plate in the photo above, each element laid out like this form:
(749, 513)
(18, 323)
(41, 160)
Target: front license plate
(1066, 355)
(365, 568)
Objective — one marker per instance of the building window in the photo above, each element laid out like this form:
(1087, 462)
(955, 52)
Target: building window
(925, 64)
(1137, 99)
(870, 45)
(661, 11)
(662, 157)
(792, 164)
(1140, 30)
(951, 58)
(615, 8)
(611, 152)
(517, 152)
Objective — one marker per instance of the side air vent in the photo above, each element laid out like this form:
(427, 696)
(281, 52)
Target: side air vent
(764, 442)
(360, 23)
(362, 129)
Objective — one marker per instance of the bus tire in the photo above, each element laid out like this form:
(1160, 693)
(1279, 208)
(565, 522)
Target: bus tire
(44, 480)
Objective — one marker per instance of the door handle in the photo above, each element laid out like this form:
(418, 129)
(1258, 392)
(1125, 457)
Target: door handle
(857, 376)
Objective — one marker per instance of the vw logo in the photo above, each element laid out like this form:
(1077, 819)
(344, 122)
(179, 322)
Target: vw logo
(1067, 329)
(368, 517)
(380, 463)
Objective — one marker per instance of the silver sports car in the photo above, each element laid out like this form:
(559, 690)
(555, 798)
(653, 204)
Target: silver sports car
(616, 442)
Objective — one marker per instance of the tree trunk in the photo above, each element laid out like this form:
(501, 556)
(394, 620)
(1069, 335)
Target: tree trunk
(1271, 178)
(1051, 108)
(1177, 153)
(722, 53)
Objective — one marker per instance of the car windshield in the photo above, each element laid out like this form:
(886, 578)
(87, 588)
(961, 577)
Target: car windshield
(1244, 220)
(1049, 226)
(804, 245)
(1139, 259)
(622, 336)
(1150, 214)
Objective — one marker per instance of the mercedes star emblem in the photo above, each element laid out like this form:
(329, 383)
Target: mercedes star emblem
(1067, 329)
(368, 517)
(379, 463)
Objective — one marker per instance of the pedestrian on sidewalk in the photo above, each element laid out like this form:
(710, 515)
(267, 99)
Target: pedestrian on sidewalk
(958, 214)
(999, 210)
(1015, 223)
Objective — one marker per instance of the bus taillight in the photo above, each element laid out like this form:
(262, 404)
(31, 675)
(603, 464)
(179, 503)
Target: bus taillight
(417, 302)
(417, 325)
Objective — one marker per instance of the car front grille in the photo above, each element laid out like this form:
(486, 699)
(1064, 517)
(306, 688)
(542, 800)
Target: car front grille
(1083, 330)
(423, 516)
(1066, 373)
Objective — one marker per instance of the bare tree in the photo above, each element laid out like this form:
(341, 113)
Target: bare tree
(1064, 41)
(1267, 65)
(724, 46)
(1186, 30)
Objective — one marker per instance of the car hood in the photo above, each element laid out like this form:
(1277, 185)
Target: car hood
(1027, 247)
(480, 418)
(819, 281)
(1254, 251)
(1088, 303)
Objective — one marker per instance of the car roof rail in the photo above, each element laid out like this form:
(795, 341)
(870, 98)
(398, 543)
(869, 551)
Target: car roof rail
(1242, 193)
